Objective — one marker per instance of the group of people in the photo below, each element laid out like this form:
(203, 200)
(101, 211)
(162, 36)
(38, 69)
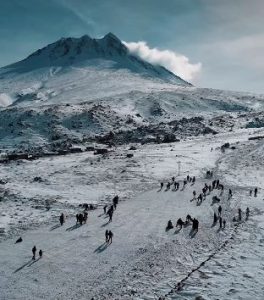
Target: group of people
(82, 218)
(176, 184)
(255, 192)
(180, 223)
(109, 211)
(34, 251)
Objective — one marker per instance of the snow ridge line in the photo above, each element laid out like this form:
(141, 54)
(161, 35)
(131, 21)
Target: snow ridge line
(179, 285)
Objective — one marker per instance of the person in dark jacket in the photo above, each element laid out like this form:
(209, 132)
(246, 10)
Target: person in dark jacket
(34, 250)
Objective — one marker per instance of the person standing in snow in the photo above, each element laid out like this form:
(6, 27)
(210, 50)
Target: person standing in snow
(215, 218)
(115, 201)
(85, 217)
(106, 236)
(255, 192)
(81, 218)
(230, 194)
(34, 250)
(247, 213)
(224, 223)
(161, 185)
(250, 193)
(110, 237)
(62, 219)
(40, 253)
(239, 214)
(220, 222)
(220, 211)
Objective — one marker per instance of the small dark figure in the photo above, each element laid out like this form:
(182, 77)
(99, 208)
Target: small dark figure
(40, 253)
(193, 180)
(195, 225)
(110, 235)
(168, 185)
(224, 223)
(230, 194)
(115, 201)
(161, 185)
(106, 236)
(188, 178)
(110, 214)
(194, 194)
(62, 219)
(250, 193)
(247, 213)
(81, 218)
(215, 218)
(173, 179)
(85, 217)
(19, 240)
(179, 223)
(255, 192)
(105, 207)
(219, 210)
(239, 214)
(169, 225)
(220, 222)
(184, 182)
(188, 219)
(77, 219)
(34, 250)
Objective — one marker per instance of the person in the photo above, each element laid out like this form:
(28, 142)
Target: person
(85, 217)
(169, 225)
(81, 218)
(220, 222)
(168, 185)
(179, 223)
(110, 237)
(40, 253)
(34, 250)
(219, 210)
(173, 179)
(106, 236)
(62, 220)
(239, 214)
(255, 192)
(77, 218)
(161, 185)
(194, 194)
(250, 193)
(188, 178)
(188, 219)
(105, 207)
(115, 201)
(215, 218)
(224, 223)
(230, 193)
(193, 180)
(110, 214)
(247, 213)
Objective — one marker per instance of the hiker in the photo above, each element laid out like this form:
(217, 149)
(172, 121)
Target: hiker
(215, 218)
(179, 223)
(173, 179)
(220, 222)
(195, 225)
(247, 213)
(115, 201)
(239, 214)
(168, 185)
(34, 250)
(193, 180)
(62, 219)
(224, 223)
(188, 178)
(250, 193)
(194, 194)
(85, 217)
(81, 218)
(255, 192)
(40, 253)
(161, 185)
(169, 225)
(110, 236)
(106, 236)
(230, 194)
(105, 207)
(219, 210)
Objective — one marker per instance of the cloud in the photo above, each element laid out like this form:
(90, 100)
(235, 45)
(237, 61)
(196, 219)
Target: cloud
(176, 63)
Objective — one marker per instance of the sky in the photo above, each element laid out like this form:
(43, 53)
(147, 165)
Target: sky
(211, 43)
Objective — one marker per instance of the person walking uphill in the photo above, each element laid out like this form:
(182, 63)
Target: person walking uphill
(62, 219)
(110, 237)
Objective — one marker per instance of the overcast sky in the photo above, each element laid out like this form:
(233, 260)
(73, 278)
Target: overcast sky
(212, 43)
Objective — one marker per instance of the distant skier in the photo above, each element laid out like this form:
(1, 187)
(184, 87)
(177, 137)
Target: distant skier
(40, 253)
(34, 250)
(110, 237)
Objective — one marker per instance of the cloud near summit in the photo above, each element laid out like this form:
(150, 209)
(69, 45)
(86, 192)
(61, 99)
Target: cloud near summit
(176, 63)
